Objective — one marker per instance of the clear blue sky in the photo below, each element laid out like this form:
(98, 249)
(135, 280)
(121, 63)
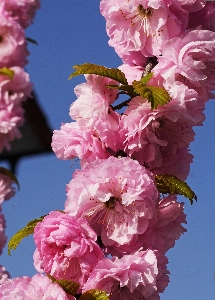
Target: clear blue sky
(73, 32)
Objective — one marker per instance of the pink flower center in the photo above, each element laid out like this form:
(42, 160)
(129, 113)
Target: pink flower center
(140, 18)
(145, 13)
(111, 203)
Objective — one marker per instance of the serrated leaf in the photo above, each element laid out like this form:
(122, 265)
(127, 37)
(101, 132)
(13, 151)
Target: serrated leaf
(155, 95)
(8, 72)
(140, 88)
(22, 233)
(89, 68)
(94, 295)
(146, 78)
(8, 173)
(170, 184)
(160, 96)
(70, 287)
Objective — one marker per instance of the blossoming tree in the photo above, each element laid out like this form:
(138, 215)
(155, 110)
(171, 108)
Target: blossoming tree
(122, 215)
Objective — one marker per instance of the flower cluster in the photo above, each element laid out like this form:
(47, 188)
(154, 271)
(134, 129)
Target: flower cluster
(122, 148)
(15, 86)
(117, 224)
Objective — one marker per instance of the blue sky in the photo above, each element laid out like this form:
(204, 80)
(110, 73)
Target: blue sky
(73, 32)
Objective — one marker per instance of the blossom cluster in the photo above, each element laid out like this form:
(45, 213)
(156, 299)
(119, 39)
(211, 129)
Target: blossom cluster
(122, 148)
(15, 16)
(117, 226)
(15, 87)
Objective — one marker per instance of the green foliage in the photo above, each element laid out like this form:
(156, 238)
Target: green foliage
(8, 173)
(70, 287)
(89, 68)
(169, 184)
(94, 295)
(8, 72)
(155, 95)
(146, 78)
(22, 233)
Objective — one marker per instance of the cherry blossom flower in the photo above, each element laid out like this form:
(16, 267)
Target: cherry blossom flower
(15, 90)
(142, 26)
(189, 59)
(163, 230)
(141, 275)
(74, 141)
(66, 247)
(149, 134)
(37, 287)
(12, 43)
(94, 100)
(22, 11)
(116, 195)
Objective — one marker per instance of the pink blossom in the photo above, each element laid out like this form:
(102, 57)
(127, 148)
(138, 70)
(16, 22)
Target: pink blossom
(189, 59)
(163, 230)
(116, 195)
(74, 141)
(204, 17)
(15, 90)
(22, 11)
(149, 134)
(66, 247)
(3, 237)
(4, 275)
(94, 100)
(37, 287)
(12, 43)
(142, 26)
(139, 276)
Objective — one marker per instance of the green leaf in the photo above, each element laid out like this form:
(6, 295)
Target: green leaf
(30, 40)
(8, 173)
(146, 78)
(8, 72)
(89, 68)
(22, 233)
(94, 295)
(155, 95)
(160, 96)
(70, 287)
(170, 184)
